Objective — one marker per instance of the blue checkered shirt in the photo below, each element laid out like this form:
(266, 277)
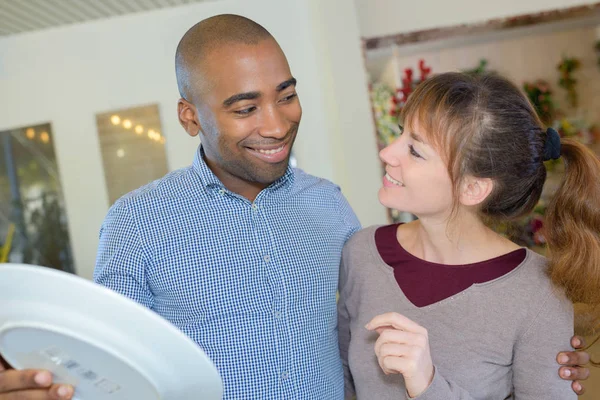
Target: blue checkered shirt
(253, 284)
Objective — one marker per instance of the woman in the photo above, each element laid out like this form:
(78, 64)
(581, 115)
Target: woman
(452, 309)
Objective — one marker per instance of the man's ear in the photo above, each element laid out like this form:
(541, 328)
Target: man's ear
(188, 117)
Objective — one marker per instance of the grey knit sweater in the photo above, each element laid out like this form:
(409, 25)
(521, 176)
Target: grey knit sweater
(497, 340)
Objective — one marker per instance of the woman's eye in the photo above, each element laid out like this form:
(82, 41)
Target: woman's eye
(413, 152)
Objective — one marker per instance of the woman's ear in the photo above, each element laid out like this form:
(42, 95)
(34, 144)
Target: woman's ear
(475, 190)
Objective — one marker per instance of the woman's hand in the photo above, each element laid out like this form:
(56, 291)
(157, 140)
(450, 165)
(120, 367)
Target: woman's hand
(403, 348)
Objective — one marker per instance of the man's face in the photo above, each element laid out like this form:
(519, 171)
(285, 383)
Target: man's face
(248, 111)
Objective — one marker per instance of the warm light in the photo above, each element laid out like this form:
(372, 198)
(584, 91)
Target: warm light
(127, 124)
(115, 119)
(139, 129)
(45, 137)
(157, 136)
(30, 133)
(151, 133)
(120, 153)
(162, 140)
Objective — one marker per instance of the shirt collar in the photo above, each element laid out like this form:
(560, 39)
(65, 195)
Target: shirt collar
(210, 180)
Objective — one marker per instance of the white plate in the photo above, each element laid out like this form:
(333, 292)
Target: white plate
(108, 346)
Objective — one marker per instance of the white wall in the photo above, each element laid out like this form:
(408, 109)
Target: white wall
(389, 17)
(67, 75)
(348, 109)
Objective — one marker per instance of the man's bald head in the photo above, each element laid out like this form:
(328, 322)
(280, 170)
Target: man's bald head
(205, 36)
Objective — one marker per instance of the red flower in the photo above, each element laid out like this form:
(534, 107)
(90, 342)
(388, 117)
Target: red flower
(425, 71)
(536, 224)
(406, 91)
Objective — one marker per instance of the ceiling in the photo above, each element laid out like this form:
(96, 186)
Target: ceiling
(18, 16)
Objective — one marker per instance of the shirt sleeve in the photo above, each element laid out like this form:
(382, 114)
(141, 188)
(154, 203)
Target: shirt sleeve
(344, 332)
(121, 262)
(535, 370)
(347, 214)
(442, 389)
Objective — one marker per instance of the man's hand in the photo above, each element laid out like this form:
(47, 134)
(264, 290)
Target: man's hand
(573, 365)
(30, 385)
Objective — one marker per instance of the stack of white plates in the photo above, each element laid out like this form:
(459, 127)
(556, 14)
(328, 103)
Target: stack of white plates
(106, 345)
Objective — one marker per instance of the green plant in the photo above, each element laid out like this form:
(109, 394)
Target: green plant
(567, 67)
(480, 68)
(540, 96)
(385, 113)
(44, 233)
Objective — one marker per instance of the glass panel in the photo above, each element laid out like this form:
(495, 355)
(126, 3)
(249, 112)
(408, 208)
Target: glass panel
(33, 222)
(133, 148)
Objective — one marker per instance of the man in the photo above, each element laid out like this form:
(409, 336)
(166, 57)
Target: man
(239, 251)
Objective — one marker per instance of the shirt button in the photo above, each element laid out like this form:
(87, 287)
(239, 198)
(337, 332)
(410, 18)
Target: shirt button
(222, 191)
(267, 258)
(285, 375)
(254, 207)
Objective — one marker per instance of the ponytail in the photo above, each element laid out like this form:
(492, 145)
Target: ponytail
(572, 228)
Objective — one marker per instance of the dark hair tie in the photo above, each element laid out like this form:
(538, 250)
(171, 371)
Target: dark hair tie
(552, 145)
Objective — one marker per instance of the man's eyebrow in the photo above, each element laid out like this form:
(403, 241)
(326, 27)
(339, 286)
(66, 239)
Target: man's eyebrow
(239, 97)
(284, 85)
(255, 95)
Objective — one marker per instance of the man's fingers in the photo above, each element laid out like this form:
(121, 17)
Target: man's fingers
(34, 394)
(3, 365)
(578, 342)
(573, 358)
(574, 373)
(578, 388)
(24, 379)
(61, 392)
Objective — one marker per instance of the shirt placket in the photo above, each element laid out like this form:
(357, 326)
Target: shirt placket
(276, 279)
